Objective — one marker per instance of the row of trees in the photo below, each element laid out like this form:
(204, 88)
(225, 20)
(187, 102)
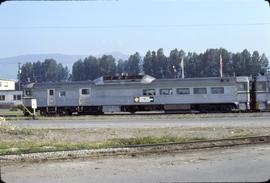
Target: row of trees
(49, 70)
(157, 64)
(154, 63)
(91, 67)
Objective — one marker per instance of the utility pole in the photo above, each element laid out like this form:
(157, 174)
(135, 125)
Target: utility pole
(182, 67)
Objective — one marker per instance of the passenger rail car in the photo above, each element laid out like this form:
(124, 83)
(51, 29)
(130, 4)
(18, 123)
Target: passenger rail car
(141, 93)
(262, 93)
(10, 99)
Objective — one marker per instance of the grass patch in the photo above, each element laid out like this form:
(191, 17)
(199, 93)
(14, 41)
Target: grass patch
(12, 111)
(12, 130)
(151, 140)
(30, 147)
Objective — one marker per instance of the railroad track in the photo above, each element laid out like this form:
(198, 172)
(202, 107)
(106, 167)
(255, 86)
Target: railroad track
(133, 150)
(201, 144)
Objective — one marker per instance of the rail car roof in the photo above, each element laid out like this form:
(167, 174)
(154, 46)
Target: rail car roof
(142, 79)
(57, 84)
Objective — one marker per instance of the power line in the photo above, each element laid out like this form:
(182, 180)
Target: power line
(1, 1)
(137, 26)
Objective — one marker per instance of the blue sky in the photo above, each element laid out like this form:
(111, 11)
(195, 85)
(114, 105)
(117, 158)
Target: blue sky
(127, 26)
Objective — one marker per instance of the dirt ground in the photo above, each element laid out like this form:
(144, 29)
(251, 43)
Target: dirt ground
(14, 135)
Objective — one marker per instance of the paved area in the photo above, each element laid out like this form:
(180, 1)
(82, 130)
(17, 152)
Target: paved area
(244, 163)
(148, 121)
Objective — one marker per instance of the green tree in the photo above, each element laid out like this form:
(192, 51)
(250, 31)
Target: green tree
(263, 62)
(192, 65)
(147, 64)
(107, 65)
(45, 71)
(133, 62)
(78, 71)
(174, 63)
(161, 63)
(122, 67)
(26, 72)
(91, 68)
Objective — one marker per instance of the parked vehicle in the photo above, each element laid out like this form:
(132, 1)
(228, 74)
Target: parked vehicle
(141, 93)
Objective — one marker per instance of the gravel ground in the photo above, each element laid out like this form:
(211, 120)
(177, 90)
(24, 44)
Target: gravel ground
(150, 121)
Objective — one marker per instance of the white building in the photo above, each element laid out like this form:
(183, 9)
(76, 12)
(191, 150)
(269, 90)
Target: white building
(9, 97)
(6, 84)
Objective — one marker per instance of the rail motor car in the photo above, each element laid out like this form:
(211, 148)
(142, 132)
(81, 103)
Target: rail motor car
(141, 93)
(10, 99)
(261, 93)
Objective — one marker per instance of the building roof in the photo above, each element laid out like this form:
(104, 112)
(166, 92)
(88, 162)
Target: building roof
(3, 79)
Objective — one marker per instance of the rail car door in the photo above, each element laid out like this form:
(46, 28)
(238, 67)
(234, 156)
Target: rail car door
(84, 98)
(51, 97)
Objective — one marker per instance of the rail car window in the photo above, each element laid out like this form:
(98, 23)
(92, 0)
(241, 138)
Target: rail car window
(85, 92)
(0, 84)
(217, 90)
(183, 91)
(2, 97)
(199, 90)
(17, 97)
(166, 91)
(242, 86)
(62, 93)
(51, 92)
(6, 84)
(28, 92)
(149, 92)
(261, 86)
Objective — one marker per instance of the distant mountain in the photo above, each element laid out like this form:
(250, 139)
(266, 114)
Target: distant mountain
(9, 66)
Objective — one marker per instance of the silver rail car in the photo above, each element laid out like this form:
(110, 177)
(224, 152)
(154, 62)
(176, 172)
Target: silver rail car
(141, 93)
(262, 93)
(10, 98)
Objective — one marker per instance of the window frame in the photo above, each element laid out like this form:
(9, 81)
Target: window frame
(61, 93)
(186, 89)
(85, 89)
(217, 91)
(170, 91)
(2, 97)
(28, 92)
(51, 92)
(148, 89)
(199, 93)
(5, 85)
(245, 84)
(19, 97)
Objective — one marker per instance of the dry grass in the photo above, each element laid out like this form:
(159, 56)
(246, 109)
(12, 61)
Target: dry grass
(19, 140)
